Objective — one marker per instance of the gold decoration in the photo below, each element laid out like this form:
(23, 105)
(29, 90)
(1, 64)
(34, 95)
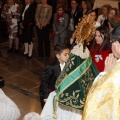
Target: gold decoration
(85, 30)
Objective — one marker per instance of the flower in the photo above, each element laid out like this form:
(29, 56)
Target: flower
(61, 19)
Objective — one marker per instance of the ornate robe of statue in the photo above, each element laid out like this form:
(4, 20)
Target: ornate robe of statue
(72, 86)
(75, 80)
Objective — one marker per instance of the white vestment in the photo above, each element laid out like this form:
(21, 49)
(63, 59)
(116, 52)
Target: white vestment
(47, 112)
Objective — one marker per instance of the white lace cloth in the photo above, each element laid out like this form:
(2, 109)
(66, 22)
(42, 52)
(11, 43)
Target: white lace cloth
(8, 109)
(47, 112)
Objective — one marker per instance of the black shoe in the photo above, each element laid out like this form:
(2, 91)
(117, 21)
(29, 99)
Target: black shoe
(29, 57)
(25, 54)
(16, 51)
(10, 50)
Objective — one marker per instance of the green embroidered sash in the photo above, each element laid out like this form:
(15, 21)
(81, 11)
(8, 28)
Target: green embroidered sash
(73, 83)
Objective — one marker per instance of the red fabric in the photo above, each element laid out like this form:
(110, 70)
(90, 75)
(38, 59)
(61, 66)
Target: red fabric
(98, 62)
(58, 18)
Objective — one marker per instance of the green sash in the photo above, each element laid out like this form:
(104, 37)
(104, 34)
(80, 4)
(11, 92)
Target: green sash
(73, 83)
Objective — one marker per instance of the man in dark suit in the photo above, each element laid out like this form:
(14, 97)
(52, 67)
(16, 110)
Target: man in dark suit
(27, 24)
(52, 72)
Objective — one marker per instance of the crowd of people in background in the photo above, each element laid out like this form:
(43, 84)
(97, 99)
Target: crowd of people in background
(59, 17)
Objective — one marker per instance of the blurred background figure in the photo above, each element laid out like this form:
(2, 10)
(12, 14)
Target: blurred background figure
(63, 3)
(11, 13)
(60, 25)
(93, 14)
(74, 15)
(42, 17)
(112, 12)
(103, 18)
(26, 24)
(114, 22)
(85, 7)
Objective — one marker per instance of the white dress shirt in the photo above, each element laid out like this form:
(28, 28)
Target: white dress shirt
(62, 66)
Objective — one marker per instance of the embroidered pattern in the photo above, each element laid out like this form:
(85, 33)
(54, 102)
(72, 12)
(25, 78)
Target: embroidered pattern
(74, 82)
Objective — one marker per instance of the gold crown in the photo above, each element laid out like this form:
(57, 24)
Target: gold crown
(85, 30)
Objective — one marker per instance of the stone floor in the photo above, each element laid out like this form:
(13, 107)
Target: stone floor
(22, 77)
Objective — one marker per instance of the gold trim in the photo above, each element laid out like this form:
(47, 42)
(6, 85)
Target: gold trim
(70, 109)
(97, 85)
(85, 30)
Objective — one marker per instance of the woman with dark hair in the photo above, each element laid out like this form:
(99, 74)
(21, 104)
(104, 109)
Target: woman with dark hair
(100, 48)
(93, 14)
(74, 15)
(85, 7)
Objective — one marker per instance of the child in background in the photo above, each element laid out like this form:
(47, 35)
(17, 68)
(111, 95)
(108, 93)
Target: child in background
(100, 48)
(52, 71)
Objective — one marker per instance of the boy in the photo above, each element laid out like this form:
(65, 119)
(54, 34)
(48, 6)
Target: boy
(52, 72)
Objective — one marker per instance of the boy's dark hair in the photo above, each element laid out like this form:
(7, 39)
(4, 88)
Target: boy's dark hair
(59, 48)
(116, 34)
(105, 31)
